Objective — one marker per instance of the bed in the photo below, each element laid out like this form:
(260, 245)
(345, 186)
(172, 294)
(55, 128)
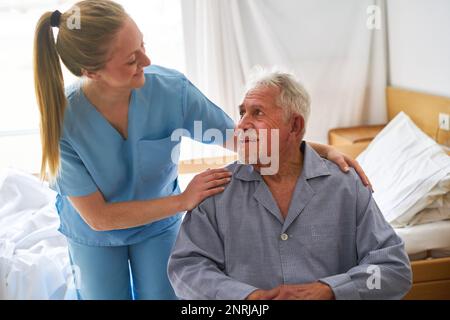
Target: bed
(34, 260)
(428, 245)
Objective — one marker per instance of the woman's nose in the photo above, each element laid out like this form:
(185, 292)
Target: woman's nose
(145, 61)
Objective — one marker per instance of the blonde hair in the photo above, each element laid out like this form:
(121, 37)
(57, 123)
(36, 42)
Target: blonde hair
(82, 47)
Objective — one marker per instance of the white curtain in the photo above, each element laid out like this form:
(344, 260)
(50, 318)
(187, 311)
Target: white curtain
(326, 43)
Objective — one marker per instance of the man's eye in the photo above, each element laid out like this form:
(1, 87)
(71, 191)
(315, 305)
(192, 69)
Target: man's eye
(259, 113)
(241, 113)
(132, 62)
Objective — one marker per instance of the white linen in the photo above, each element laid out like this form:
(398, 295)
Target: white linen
(34, 260)
(438, 210)
(409, 172)
(426, 237)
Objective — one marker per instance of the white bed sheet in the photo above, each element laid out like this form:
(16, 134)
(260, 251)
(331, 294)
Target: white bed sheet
(34, 259)
(426, 240)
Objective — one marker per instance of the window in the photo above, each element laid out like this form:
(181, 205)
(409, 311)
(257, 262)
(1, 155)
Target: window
(159, 20)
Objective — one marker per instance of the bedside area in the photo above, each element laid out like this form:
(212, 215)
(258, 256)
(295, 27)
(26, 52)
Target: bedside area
(431, 273)
(353, 140)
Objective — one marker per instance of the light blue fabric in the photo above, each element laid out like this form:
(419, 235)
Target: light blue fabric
(237, 241)
(103, 273)
(94, 156)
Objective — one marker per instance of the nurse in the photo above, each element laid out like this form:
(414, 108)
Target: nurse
(107, 149)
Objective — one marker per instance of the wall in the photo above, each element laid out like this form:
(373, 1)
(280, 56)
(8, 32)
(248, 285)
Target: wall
(419, 45)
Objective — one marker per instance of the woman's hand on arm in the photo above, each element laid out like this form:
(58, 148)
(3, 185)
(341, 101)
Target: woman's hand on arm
(342, 160)
(104, 216)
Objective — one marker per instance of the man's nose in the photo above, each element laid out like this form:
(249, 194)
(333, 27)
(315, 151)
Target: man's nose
(244, 123)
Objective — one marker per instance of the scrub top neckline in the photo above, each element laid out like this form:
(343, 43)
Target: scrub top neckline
(104, 120)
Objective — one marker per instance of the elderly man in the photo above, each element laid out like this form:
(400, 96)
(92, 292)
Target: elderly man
(307, 231)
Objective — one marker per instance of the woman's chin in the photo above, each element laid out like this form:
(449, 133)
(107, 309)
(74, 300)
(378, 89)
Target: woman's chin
(138, 81)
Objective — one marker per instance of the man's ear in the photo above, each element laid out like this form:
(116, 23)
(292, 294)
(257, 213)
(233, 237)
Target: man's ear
(93, 75)
(297, 125)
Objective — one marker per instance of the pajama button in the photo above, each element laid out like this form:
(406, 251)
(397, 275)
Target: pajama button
(284, 236)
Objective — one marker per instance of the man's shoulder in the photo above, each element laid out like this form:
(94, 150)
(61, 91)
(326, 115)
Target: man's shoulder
(243, 172)
(348, 183)
(234, 166)
(337, 173)
(239, 172)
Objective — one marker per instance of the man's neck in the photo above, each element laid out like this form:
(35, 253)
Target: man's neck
(290, 167)
(282, 185)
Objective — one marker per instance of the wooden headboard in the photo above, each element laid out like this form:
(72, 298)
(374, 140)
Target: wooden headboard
(422, 108)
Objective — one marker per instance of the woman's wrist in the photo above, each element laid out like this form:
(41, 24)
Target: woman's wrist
(180, 202)
(321, 149)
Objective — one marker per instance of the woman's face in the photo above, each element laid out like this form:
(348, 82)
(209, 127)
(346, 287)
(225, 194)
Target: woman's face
(127, 60)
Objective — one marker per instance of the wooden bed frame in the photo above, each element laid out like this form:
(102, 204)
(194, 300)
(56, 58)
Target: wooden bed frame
(431, 277)
(422, 108)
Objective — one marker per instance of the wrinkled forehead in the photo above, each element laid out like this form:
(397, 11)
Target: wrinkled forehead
(261, 95)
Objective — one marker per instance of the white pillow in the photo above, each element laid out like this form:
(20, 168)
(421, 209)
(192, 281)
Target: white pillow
(409, 171)
(438, 210)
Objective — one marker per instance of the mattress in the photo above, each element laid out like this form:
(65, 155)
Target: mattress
(426, 240)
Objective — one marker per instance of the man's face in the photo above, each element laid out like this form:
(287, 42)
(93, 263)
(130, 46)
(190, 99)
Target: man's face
(264, 127)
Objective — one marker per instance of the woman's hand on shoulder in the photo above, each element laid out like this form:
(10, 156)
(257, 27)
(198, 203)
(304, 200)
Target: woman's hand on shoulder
(203, 185)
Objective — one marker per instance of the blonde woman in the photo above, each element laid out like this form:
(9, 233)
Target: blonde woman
(107, 149)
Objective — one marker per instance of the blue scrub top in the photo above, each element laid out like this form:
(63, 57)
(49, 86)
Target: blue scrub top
(94, 156)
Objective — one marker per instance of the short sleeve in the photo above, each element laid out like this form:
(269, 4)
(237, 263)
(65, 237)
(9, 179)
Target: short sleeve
(73, 179)
(214, 121)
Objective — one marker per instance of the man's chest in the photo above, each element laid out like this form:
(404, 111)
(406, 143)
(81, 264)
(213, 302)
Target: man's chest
(283, 197)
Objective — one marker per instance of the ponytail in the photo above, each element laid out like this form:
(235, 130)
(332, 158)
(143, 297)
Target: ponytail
(49, 88)
(79, 50)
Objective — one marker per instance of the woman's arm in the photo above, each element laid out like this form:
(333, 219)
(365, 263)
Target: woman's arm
(103, 216)
(325, 151)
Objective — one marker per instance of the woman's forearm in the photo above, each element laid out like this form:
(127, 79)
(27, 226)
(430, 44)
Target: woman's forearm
(101, 215)
(129, 214)
(124, 215)
(321, 149)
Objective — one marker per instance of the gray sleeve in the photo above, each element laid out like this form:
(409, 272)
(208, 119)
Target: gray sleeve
(197, 264)
(383, 270)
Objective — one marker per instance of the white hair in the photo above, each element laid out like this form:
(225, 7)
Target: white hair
(293, 97)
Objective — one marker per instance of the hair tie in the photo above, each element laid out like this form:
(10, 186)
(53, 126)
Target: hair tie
(55, 19)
